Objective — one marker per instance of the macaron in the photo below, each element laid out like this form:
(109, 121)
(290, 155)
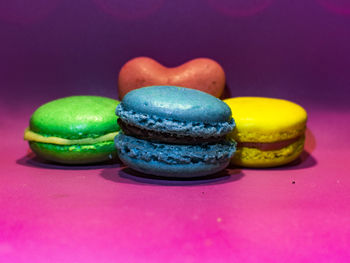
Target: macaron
(269, 132)
(202, 74)
(174, 132)
(74, 130)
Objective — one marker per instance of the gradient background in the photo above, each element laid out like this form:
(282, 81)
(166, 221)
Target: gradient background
(296, 50)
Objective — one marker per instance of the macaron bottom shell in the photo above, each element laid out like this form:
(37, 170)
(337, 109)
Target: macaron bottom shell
(172, 170)
(182, 161)
(255, 158)
(75, 154)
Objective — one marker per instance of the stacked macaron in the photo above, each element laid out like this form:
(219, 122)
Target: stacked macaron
(174, 131)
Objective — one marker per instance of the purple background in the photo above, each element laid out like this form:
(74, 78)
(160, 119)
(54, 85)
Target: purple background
(297, 50)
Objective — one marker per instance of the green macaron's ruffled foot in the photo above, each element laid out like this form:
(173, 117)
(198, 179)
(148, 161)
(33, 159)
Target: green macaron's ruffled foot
(75, 154)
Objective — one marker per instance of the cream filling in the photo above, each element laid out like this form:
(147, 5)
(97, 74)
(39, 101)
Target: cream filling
(268, 146)
(35, 137)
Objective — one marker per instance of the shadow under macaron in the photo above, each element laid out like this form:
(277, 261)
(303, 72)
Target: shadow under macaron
(304, 161)
(32, 160)
(130, 176)
(226, 93)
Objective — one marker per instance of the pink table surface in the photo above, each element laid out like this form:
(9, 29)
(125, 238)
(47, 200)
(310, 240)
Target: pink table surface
(299, 213)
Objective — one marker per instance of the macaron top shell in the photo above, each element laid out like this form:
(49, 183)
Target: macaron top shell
(261, 119)
(176, 109)
(179, 103)
(76, 117)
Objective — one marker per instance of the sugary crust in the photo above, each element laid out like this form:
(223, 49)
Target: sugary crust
(266, 119)
(75, 117)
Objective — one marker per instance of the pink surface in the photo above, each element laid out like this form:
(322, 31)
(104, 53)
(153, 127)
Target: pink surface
(298, 213)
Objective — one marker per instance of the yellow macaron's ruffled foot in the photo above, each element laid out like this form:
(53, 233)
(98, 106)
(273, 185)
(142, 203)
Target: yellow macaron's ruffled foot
(255, 158)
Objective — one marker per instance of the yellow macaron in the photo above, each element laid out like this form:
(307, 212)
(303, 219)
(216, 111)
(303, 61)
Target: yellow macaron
(269, 132)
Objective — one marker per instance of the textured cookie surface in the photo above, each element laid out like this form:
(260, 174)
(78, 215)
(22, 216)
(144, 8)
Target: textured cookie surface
(75, 154)
(173, 160)
(266, 119)
(176, 109)
(76, 117)
(252, 157)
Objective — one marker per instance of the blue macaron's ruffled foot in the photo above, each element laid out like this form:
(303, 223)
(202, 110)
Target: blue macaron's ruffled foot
(174, 160)
(177, 127)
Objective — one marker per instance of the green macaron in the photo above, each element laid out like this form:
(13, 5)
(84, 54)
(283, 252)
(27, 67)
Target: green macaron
(74, 130)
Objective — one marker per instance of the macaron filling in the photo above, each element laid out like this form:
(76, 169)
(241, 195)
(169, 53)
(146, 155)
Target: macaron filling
(269, 146)
(192, 128)
(35, 137)
(166, 137)
(253, 157)
(174, 154)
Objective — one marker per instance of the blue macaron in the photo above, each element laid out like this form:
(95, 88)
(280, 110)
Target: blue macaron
(174, 131)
